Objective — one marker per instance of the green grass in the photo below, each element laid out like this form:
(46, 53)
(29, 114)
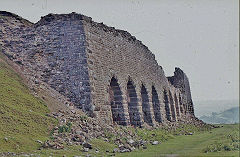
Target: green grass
(194, 145)
(104, 148)
(23, 120)
(23, 117)
(183, 145)
(163, 134)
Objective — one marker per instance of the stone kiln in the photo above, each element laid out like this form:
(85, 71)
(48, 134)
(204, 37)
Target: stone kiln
(104, 71)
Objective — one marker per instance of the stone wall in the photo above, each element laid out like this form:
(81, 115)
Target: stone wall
(62, 40)
(180, 81)
(105, 72)
(53, 50)
(116, 54)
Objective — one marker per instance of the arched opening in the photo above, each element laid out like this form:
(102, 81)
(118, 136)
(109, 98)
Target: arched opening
(180, 103)
(176, 104)
(146, 106)
(116, 101)
(172, 106)
(191, 109)
(167, 108)
(184, 104)
(133, 105)
(156, 105)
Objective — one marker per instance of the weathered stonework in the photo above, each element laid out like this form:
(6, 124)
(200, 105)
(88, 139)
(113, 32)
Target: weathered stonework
(180, 81)
(106, 72)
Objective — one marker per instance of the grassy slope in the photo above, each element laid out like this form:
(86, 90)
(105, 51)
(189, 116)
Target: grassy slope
(23, 117)
(23, 121)
(194, 145)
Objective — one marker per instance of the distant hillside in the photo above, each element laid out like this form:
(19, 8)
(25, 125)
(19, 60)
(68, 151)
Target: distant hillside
(229, 116)
(206, 107)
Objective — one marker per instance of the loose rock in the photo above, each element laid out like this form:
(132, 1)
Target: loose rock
(155, 142)
(85, 149)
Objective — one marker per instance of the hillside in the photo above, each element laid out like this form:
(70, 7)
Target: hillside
(229, 116)
(23, 118)
(206, 107)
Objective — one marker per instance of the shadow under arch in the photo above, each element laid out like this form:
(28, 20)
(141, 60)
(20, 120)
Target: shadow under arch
(180, 103)
(116, 101)
(133, 111)
(146, 106)
(156, 105)
(167, 108)
(172, 106)
(176, 104)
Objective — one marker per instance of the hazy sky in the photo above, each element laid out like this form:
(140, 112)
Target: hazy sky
(201, 37)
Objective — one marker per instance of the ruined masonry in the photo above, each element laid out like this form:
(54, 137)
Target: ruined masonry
(106, 72)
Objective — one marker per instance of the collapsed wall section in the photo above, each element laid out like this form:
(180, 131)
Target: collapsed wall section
(180, 81)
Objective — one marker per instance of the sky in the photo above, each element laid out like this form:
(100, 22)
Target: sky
(200, 37)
